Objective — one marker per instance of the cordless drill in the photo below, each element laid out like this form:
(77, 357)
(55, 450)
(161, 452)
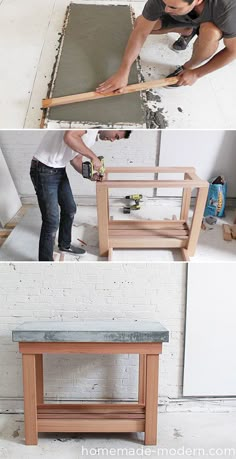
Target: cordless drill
(88, 170)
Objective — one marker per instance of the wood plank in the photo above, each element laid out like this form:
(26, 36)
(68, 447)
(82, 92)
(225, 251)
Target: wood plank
(142, 379)
(91, 408)
(93, 95)
(185, 255)
(144, 242)
(11, 225)
(146, 224)
(88, 425)
(90, 348)
(152, 169)
(170, 233)
(39, 379)
(233, 231)
(186, 201)
(103, 218)
(30, 399)
(153, 184)
(4, 233)
(197, 220)
(151, 400)
(110, 253)
(227, 232)
(91, 416)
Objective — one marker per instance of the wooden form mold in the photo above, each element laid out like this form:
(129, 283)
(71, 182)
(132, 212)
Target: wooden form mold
(128, 234)
(112, 417)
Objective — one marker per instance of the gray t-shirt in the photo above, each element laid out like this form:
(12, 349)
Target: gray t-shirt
(222, 13)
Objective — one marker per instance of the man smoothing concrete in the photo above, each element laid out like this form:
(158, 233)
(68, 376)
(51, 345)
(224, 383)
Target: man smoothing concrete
(211, 20)
(48, 174)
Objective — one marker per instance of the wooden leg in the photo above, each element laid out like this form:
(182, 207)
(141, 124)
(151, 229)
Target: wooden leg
(142, 379)
(39, 379)
(102, 213)
(30, 399)
(197, 220)
(186, 201)
(185, 256)
(151, 400)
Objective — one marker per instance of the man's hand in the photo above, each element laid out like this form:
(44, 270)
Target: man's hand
(188, 77)
(96, 178)
(97, 164)
(116, 83)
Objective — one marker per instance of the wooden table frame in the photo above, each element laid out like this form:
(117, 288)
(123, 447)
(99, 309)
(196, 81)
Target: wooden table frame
(121, 234)
(112, 417)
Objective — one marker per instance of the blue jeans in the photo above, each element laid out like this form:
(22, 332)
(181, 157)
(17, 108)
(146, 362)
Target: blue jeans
(53, 190)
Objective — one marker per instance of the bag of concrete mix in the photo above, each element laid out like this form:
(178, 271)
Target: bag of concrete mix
(216, 199)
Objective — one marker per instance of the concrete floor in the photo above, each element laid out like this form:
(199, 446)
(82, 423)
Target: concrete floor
(29, 38)
(176, 431)
(22, 244)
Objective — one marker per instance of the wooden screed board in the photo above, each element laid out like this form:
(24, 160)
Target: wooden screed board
(91, 51)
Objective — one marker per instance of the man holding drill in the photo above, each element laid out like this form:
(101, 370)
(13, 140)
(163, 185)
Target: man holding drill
(210, 20)
(48, 174)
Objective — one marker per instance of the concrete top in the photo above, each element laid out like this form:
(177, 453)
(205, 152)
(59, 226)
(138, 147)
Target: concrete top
(114, 331)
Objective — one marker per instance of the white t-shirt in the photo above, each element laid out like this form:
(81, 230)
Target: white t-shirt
(54, 152)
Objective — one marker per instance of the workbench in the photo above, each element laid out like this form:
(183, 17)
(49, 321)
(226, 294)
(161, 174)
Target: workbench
(129, 234)
(90, 337)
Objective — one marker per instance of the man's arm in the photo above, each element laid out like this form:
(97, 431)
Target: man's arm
(219, 60)
(77, 164)
(119, 80)
(74, 140)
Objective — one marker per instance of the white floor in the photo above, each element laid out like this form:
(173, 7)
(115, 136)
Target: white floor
(22, 244)
(29, 38)
(178, 432)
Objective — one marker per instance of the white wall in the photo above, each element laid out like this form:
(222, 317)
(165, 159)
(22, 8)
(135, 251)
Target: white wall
(9, 199)
(210, 343)
(211, 152)
(71, 291)
(18, 147)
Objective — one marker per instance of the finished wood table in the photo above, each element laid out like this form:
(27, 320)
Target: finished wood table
(90, 337)
(130, 234)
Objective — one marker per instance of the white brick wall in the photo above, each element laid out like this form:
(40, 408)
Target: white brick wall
(18, 147)
(69, 292)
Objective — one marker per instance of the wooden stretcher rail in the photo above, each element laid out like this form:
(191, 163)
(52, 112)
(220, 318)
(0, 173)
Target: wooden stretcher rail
(93, 95)
(91, 416)
(90, 348)
(177, 233)
(92, 408)
(147, 224)
(144, 242)
(153, 183)
(89, 425)
(144, 170)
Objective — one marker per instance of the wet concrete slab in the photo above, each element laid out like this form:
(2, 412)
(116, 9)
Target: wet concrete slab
(91, 51)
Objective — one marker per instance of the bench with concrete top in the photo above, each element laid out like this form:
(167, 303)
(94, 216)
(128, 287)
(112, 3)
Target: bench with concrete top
(91, 337)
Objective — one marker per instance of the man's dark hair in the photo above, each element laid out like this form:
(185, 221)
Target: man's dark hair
(127, 134)
(189, 1)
